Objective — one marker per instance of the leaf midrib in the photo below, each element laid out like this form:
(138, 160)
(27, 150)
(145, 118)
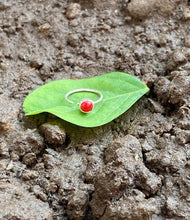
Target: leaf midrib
(105, 99)
(128, 93)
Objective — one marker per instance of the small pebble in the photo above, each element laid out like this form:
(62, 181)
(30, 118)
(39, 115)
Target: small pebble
(29, 159)
(128, 18)
(3, 65)
(77, 75)
(140, 9)
(53, 134)
(73, 40)
(73, 10)
(186, 13)
(10, 166)
(44, 27)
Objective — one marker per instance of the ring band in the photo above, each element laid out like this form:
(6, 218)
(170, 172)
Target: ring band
(84, 90)
(86, 105)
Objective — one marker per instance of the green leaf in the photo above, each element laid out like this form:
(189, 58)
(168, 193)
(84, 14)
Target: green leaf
(120, 91)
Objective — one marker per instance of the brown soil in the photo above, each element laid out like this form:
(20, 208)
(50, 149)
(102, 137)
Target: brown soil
(136, 167)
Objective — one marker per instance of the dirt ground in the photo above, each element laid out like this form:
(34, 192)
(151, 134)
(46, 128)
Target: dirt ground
(136, 167)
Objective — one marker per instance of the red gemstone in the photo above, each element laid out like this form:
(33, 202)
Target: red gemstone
(86, 106)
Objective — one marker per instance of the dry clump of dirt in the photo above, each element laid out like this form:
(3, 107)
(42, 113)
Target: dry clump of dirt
(136, 167)
(124, 181)
(15, 198)
(144, 8)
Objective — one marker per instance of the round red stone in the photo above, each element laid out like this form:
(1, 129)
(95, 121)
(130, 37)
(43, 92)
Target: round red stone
(86, 106)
